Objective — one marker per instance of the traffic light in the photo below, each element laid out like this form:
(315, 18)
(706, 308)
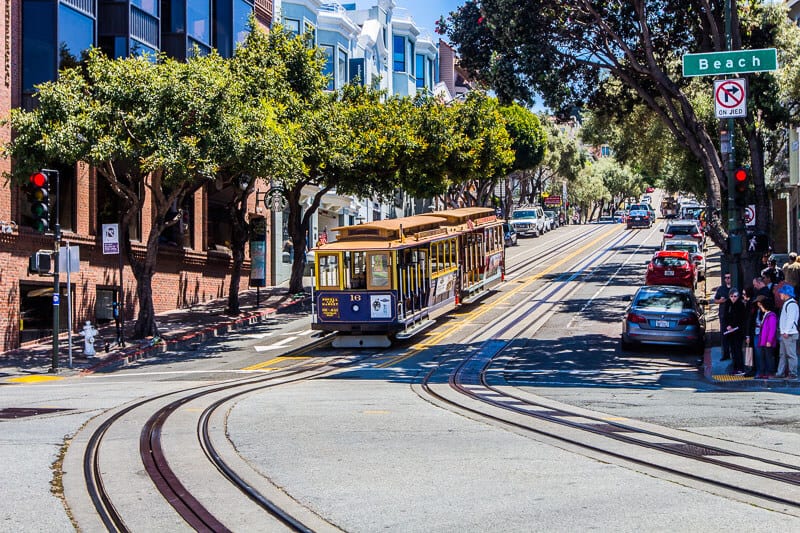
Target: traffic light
(39, 198)
(741, 180)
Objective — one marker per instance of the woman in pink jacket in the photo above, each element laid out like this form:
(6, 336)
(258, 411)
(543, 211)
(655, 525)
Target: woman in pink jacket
(767, 339)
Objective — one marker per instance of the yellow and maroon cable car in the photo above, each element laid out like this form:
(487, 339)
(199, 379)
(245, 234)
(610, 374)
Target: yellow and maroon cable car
(393, 277)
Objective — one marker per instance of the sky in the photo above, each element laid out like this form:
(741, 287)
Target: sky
(424, 12)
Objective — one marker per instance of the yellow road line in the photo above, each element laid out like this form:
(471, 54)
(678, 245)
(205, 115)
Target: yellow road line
(435, 338)
(265, 364)
(34, 379)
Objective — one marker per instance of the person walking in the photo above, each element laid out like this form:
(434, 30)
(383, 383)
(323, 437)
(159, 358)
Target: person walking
(791, 271)
(733, 327)
(787, 326)
(750, 323)
(721, 298)
(773, 268)
(766, 338)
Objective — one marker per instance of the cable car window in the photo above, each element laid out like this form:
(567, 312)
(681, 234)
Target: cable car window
(328, 270)
(355, 270)
(379, 270)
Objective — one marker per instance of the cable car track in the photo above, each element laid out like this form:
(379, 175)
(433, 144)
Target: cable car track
(157, 466)
(468, 377)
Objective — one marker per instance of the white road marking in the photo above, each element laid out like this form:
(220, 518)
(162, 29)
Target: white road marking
(279, 344)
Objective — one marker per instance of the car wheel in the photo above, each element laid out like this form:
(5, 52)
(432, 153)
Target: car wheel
(699, 348)
(625, 346)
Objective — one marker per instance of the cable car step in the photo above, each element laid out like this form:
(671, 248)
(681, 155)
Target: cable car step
(416, 328)
(361, 341)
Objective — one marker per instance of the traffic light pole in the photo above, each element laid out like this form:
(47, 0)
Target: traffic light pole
(56, 283)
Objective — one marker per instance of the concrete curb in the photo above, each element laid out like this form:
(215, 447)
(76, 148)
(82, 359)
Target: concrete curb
(188, 340)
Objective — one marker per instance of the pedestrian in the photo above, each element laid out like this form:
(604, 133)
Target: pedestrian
(733, 327)
(766, 338)
(751, 312)
(761, 289)
(787, 326)
(721, 298)
(772, 267)
(791, 271)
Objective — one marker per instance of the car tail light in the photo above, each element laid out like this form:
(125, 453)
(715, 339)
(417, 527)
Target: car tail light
(698, 257)
(636, 319)
(649, 267)
(689, 321)
(697, 235)
(669, 235)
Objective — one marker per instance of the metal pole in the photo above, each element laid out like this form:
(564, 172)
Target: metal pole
(56, 284)
(69, 304)
(734, 229)
(121, 302)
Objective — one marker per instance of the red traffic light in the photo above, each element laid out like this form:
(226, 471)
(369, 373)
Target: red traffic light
(38, 179)
(740, 175)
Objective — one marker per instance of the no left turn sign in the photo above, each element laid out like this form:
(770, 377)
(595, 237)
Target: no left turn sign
(730, 98)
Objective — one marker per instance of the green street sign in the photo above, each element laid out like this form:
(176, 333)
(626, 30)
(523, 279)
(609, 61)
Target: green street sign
(733, 62)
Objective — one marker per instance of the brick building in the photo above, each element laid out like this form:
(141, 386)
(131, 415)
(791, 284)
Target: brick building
(194, 259)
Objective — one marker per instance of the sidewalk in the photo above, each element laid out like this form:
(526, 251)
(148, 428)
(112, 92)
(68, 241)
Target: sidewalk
(714, 369)
(179, 329)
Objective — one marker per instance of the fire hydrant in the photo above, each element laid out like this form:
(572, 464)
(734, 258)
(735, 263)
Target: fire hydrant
(89, 335)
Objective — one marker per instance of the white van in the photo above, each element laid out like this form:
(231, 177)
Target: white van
(528, 220)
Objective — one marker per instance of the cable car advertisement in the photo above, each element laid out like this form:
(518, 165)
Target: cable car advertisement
(380, 306)
(355, 307)
(493, 263)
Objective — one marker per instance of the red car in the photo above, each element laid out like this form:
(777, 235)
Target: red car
(671, 267)
(651, 189)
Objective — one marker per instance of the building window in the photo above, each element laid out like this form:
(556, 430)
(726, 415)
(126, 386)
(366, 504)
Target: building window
(310, 29)
(420, 72)
(75, 35)
(399, 55)
(241, 18)
(198, 16)
(411, 56)
(148, 6)
(110, 209)
(38, 43)
(327, 68)
(292, 26)
(341, 73)
(139, 49)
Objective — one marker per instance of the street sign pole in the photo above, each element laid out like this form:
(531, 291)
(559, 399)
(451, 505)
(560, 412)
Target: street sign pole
(734, 230)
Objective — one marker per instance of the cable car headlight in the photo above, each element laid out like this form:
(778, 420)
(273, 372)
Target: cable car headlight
(355, 308)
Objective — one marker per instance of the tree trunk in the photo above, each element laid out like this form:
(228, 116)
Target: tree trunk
(236, 209)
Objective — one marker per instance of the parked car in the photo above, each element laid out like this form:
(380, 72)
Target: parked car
(664, 314)
(639, 218)
(683, 229)
(650, 189)
(620, 216)
(510, 234)
(528, 220)
(606, 220)
(671, 268)
(694, 250)
(554, 219)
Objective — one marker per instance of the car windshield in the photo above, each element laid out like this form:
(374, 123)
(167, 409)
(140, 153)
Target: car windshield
(682, 230)
(688, 247)
(524, 214)
(638, 213)
(663, 301)
(669, 262)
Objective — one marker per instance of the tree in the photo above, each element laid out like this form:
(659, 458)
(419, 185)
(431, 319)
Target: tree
(147, 127)
(569, 51)
(528, 142)
(482, 152)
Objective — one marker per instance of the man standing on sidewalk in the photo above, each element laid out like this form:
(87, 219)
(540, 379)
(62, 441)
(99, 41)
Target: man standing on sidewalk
(788, 332)
(721, 298)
